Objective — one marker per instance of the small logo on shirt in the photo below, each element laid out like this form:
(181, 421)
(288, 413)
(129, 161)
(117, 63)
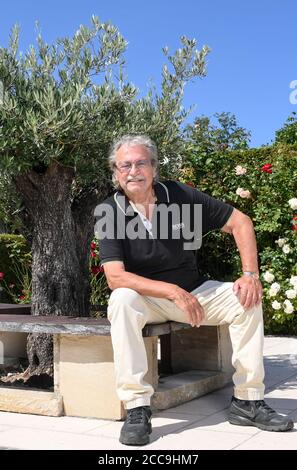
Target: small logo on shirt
(178, 226)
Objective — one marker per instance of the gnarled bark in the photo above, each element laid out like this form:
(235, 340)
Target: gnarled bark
(61, 233)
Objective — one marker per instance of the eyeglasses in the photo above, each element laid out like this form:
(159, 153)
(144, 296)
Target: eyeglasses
(127, 167)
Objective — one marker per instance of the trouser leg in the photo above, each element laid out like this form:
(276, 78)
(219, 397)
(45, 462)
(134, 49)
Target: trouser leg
(221, 306)
(128, 313)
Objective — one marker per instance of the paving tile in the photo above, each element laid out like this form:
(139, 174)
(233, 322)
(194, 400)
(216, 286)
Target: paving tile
(4, 428)
(276, 376)
(271, 440)
(197, 439)
(51, 423)
(36, 439)
(219, 422)
(206, 405)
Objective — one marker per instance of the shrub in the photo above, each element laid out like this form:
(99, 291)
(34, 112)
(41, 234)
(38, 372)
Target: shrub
(261, 183)
(100, 291)
(15, 269)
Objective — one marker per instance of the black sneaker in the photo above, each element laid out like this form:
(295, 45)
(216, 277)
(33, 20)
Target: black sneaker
(137, 427)
(257, 413)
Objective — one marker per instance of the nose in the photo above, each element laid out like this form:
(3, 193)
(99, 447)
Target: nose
(134, 169)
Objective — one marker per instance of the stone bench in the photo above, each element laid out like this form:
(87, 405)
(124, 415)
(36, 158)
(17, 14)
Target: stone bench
(184, 363)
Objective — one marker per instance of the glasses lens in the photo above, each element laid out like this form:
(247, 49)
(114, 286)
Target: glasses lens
(126, 167)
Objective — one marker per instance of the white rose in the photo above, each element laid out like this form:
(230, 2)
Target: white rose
(293, 281)
(291, 293)
(293, 203)
(275, 286)
(268, 277)
(286, 249)
(276, 305)
(288, 307)
(280, 242)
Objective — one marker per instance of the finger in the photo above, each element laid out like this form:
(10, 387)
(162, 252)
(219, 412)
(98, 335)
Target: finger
(242, 296)
(196, 315)
(192, 314)
(249, 299)
(254, 298)
(260, 294)
(235, 288)
(199, 312)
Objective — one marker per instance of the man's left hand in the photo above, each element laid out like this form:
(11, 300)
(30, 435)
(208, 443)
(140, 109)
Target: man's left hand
(249, 291)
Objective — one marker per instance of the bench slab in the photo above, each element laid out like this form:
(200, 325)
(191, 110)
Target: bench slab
(76, 325)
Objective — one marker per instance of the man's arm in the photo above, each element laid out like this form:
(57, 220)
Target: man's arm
(247, 288)
(117, 277)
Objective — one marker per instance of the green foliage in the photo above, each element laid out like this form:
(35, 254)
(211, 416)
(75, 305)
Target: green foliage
(15, 267)
(210, 138)
(288, 134)
(100, 291)
(265, 183)
(52, 105)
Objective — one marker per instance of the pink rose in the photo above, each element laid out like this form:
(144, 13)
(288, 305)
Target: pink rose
(240, 170)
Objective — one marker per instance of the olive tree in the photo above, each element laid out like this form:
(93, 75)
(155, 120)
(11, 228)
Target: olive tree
(61, 105)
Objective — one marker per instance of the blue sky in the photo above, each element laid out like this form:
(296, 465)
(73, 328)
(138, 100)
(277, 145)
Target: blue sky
(253, 42)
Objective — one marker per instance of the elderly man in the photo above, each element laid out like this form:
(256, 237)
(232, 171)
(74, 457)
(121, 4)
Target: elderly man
(154, 278)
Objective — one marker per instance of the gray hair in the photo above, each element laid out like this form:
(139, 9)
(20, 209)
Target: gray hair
(131, 141)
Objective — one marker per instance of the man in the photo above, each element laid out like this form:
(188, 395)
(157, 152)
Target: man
(154, 278)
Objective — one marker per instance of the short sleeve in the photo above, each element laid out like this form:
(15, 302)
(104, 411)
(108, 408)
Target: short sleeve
(215, 213)
(110, 246)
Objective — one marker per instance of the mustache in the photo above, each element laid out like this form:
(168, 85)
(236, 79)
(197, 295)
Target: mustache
(129, 180)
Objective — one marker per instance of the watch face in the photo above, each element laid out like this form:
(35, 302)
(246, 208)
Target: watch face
(251, 274)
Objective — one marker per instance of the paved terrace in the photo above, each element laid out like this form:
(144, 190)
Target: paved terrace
(196, 425)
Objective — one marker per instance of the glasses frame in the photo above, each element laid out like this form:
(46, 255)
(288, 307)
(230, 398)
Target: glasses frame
(130, 165)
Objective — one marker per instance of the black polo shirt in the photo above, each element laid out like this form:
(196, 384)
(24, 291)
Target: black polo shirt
(151, 255)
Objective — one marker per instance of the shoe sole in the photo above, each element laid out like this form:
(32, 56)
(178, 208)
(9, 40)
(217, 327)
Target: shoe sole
(132, 440)
(242, 421)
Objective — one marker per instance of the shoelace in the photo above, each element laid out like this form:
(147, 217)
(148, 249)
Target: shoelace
(263, 405)
(136, 416)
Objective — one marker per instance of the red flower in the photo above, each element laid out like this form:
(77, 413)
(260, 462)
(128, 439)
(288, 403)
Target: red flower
(21, 297)
(93, 254)
(93, 246)
(97, 269)
(294, 223)
(190, 183)
(2, 276)
(267, 168)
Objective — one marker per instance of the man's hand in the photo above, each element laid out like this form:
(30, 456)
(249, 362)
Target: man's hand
(189, 304)
(248, 290)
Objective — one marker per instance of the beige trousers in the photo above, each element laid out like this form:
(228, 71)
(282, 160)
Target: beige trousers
(129, 312)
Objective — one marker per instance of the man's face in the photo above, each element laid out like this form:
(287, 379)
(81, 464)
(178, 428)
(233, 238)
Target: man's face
(134, 170)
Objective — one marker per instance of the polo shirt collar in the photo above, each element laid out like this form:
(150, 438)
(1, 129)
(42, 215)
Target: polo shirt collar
(124, 205)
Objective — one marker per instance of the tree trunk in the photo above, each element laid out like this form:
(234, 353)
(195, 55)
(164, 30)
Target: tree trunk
(60, 250)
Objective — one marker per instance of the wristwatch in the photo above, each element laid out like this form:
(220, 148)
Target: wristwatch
(251, 274)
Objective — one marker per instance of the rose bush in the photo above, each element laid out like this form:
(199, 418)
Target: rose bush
(261, 183)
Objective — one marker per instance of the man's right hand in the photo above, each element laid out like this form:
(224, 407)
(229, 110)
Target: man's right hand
(189, 304)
